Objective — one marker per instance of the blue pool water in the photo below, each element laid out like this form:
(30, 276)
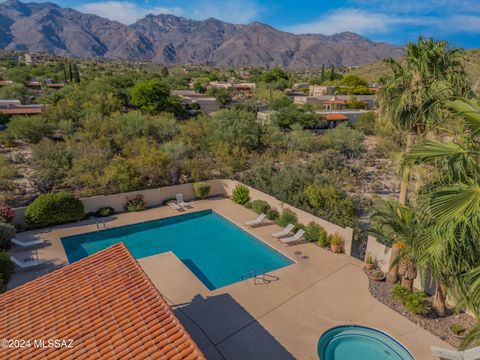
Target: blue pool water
(352, 342)
(215, 250)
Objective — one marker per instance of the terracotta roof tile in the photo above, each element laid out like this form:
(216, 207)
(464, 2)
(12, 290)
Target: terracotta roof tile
(105, 303)
(335, 117)
(21, 110)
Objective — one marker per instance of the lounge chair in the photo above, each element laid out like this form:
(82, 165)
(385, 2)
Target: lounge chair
(28, 263)
(27, 243)
(470, 354)
(258, 221)
(174, 206)
(284, 232)
(293, 238)
(181, 202)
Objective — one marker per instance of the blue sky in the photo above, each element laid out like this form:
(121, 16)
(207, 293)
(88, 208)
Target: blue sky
(396, 21)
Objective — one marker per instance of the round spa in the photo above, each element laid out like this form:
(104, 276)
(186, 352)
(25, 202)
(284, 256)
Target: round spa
(353, 342)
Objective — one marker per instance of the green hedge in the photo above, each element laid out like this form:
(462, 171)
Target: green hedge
(7, 232)
(6, 270)
(260, 206)
(313, 232)
(241, 194)
(272, 214)
(105, 211)
(134, 204)
(53, 209)
(201, 189)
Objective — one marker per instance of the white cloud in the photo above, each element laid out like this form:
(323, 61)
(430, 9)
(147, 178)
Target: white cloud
(125, 12)
(366, 23)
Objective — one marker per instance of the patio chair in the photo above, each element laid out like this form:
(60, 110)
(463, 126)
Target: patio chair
(257, 222)
(27, 263)
(181, 202)
(470, 354)
(174, 206)
(27, 243)
(284, 232)
(298, 235)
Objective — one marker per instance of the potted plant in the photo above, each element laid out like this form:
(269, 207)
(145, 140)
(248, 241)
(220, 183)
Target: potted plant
(336, 242)
(369, 262)
(458, 330)
(376, 275)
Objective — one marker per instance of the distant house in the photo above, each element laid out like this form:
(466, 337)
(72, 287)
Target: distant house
(351, 114)
(369, 100)
(221, 84)
(208, 105)
(320, 90)
(335, 103)
(6, 82)
(55, 86)
(265, 117)
(244, 88)
(334, 119)
(103, 307)
(14, 107)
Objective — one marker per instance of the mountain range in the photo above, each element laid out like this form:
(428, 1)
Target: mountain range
(170, 39)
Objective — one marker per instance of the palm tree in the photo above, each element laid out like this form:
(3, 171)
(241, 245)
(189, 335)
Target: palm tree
(398, 224)
(451, 207)
(410, 97)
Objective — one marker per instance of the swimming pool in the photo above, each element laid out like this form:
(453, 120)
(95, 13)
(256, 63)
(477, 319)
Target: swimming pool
(353, 342)
(218, 252)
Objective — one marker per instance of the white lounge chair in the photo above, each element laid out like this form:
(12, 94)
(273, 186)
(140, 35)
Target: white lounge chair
(258, 221)
(181, 202)
(284, 232)
(298, 235)
(174, 206)
(28, 263)
(470, 354)
(27, 243)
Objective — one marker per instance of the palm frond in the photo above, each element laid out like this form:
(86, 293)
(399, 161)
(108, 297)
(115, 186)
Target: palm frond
(470, 112)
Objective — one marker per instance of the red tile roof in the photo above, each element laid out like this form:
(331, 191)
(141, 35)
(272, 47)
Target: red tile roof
(21, 110)
(335, 117)
(105, 303)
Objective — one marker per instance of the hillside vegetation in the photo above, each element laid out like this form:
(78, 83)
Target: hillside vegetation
(373, 71)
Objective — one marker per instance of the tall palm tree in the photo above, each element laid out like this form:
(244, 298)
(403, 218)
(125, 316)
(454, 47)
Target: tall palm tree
(451, 207)
(398, 224)
(410, 98)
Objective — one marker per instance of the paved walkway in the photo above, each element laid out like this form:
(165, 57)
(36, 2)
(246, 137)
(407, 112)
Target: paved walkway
(282, 319)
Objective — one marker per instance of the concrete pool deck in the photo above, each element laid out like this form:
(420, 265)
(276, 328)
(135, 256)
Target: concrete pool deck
(280, 319)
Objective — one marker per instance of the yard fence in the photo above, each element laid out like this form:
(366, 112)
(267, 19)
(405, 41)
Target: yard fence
(218, 187)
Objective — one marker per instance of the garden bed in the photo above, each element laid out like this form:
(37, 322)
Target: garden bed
(440, 327)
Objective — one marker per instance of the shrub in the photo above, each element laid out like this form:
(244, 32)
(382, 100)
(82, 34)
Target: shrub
(6, 270)
(369, 259)
(272, 214)
(6, 214)
(260, 206)
(298, 226)
(54, 208)
(312, 232)
(105, 211)
(241, 194)
(201, 189)
(323, 238)
(417, 303)
(248, 205)
(457, 329)
(136, 203)
(7, 232)
(287, 217)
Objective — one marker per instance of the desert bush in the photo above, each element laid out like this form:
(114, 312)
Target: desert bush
(272, 214)
(241, 194)
(201, 189)
(312, 232)
(7, 232)
(6, 214)
(323, 238)
(415, 302)
(299, 226)
(336, 239)
(260, 206)
(105, 211)
(136, 203)
(53, 209)
(287, 217)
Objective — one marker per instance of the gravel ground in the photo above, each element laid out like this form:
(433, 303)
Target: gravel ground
(440, 327)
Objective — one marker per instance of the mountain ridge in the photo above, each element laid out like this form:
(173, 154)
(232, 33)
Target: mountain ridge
(170, 39)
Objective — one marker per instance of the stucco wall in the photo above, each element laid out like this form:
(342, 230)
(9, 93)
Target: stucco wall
(218, 187)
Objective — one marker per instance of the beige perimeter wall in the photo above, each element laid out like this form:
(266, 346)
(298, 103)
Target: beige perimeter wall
(218, 187)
